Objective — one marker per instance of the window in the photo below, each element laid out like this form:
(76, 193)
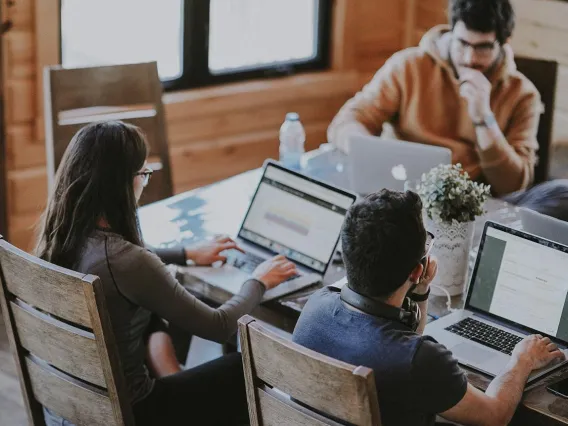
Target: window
(98, 32)
(198, 42)
(256, 33)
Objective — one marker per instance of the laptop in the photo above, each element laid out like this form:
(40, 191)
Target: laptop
(518, 287)
(289, 214)
(375, 163)
(544, 226)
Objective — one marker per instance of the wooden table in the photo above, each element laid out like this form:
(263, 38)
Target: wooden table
(219, 209)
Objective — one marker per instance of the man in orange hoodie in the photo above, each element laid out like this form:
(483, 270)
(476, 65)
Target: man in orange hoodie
(460, 89)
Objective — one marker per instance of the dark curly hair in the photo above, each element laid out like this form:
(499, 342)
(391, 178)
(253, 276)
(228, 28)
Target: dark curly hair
(383, 240)
(484, 16)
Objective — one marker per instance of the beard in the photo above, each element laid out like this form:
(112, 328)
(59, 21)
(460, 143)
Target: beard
(485, 69)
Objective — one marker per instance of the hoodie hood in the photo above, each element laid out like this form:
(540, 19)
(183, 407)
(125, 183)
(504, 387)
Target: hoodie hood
(436, 43)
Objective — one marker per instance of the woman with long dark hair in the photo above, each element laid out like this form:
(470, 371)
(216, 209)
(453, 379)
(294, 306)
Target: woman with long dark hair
(91, 226)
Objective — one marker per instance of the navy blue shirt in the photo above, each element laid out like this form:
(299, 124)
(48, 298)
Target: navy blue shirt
(416, 377)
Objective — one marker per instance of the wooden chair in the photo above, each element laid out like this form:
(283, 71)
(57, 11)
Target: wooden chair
(62, 341)
(544, 75)
(132, 93)
(288, 384)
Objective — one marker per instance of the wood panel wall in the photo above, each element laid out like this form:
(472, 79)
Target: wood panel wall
(214, 132)
(3, 207)
(220, 131)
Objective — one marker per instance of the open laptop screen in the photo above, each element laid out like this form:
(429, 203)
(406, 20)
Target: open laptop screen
(522, 279)
(297, 217)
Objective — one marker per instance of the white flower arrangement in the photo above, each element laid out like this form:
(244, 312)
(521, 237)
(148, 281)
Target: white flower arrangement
(448, 194)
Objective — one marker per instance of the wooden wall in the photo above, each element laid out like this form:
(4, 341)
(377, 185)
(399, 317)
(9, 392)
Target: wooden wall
(3, 209)
(213, 132)
(220, 131)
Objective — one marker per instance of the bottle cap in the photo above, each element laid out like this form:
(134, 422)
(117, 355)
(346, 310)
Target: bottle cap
(292, 116)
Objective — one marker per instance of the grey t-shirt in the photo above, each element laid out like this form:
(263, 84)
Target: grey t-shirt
(136, 284)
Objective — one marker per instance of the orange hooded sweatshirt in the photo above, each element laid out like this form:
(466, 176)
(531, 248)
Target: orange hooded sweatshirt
(418, 93)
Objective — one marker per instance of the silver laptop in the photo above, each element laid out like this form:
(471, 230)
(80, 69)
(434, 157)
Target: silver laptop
(518, 287)
(544, 226)
(289, 214)
(374, 163)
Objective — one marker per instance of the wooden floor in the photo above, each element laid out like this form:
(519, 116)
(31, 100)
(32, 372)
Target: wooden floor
(12, 410)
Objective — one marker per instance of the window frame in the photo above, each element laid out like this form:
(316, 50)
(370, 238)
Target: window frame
(195, 51)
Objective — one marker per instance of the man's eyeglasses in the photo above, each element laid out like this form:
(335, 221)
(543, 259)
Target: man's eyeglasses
(480, 49)
(147, 174)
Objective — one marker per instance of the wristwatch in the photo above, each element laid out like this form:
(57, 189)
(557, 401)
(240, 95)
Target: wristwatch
(488, 121)
(420, 297)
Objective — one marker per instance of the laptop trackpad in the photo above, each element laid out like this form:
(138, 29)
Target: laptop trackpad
(472, 354)
(226, 277)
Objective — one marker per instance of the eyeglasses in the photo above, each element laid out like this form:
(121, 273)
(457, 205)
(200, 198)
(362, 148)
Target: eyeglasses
(480, 49)
(146, 176)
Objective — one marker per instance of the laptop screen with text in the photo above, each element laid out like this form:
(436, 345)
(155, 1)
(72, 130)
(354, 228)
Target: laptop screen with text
(296, 217)
(523, 281)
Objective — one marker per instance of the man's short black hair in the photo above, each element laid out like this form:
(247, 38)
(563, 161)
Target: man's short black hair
(484, 16)
(383, 239)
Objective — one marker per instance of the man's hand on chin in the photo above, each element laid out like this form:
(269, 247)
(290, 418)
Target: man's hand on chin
(476, 90)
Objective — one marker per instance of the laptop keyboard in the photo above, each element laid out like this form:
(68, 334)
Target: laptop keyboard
(485, 334)
(248, 262)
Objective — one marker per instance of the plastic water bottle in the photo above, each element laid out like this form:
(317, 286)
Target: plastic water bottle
(292, 139)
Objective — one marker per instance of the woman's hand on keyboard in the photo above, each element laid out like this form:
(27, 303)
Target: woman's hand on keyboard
(208, 252)
(274, 271)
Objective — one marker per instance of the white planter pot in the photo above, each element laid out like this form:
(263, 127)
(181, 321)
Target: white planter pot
(452, 245)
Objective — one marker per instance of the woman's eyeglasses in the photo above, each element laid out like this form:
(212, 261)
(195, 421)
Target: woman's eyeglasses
(146, 174)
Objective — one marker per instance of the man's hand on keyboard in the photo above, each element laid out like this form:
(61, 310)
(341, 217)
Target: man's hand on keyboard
(209, 252)
(536, 351)
(274, 271)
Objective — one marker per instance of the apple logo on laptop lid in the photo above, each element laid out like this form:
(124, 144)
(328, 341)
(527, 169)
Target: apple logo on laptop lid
(399, 172)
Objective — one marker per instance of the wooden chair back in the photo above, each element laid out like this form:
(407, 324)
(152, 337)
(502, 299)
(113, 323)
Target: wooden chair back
(132, 93)
(544, 75)
(63, 344)
(288, 384)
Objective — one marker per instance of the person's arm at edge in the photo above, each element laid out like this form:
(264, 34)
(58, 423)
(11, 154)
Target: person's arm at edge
(495, 407)
(498, 404)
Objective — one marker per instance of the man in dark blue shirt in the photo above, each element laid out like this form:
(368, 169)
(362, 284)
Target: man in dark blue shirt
(373, 323)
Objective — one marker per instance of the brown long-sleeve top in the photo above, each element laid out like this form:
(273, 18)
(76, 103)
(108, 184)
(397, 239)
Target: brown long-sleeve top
(417, 91)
